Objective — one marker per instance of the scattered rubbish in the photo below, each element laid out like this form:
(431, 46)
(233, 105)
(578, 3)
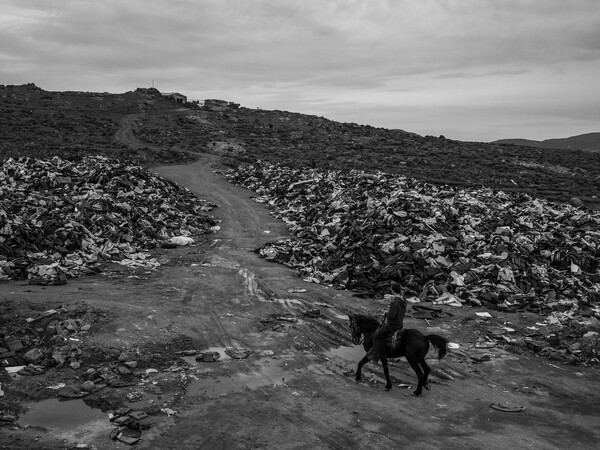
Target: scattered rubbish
(181, 240)
(296, 291)
(50, 312)
(151, 371)
(481, 358)
(186, 353)
(507, 407)
(128, 436)
(208, 356)
(168, 411)
(135, 396)
(484, 315)
(453, 345)
(7, 417)
(31, 369)
(1, 391)
(404, 385)
(237, 353)
(447, 299)
(138, 415)
(313, 313)
(56, 386)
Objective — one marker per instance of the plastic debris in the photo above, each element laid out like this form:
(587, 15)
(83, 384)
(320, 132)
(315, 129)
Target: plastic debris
(208, 356)
(507, 407)
(168, 411)
(237, 353)
(60, 219)
(363, 231)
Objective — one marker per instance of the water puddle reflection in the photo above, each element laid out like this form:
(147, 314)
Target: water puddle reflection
(65, 416)
(269, 373)
(354, 353)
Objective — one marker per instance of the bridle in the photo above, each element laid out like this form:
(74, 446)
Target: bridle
(356, 331)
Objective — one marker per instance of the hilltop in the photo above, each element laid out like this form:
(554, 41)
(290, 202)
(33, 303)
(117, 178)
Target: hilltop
(74, 124)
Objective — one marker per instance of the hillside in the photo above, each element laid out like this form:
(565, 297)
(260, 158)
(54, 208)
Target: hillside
(588, 142)
(73, 124)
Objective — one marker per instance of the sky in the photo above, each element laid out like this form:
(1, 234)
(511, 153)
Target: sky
(472, 70)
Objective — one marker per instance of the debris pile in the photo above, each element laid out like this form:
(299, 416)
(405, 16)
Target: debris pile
(362, 231)
(47, 339)
(61, 219)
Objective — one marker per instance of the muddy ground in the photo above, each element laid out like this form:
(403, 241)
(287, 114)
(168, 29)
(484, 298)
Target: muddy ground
(295, 389)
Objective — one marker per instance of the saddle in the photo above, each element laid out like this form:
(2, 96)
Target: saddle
(395, 338)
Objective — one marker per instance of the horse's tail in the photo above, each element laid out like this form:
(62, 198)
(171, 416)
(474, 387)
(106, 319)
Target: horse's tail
(438, 342)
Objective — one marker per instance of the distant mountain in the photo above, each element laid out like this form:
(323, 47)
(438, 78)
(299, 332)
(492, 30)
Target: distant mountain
(589, 142)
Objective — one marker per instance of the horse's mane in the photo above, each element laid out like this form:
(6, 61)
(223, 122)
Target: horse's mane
(369, 322)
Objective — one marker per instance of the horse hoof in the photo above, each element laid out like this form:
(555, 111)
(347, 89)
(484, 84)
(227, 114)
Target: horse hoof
(427, 387)
(416, 394)
(388, 388)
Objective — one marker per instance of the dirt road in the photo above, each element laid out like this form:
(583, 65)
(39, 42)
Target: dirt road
(315, 405)
(290, 384)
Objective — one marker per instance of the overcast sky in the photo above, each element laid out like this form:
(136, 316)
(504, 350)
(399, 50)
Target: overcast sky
(475, 70)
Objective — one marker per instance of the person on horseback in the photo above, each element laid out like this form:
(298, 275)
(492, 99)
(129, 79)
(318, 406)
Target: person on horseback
(393, 321)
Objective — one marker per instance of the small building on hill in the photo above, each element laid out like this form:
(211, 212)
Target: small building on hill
(179, 98)
(215, 104)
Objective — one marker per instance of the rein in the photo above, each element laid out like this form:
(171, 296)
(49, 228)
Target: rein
(354, 328)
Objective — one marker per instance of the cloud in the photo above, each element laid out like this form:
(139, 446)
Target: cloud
(412, 52)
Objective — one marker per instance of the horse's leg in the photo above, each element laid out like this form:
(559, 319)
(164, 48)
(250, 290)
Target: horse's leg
(361, 363)
(426, 371)
(386, 372)
(415, 365)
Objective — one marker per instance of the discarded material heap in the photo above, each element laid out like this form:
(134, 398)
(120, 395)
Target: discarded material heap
(361, 231)
(59, 218)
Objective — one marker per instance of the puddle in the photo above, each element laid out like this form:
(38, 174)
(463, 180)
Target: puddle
(354, 353)
(72, 417)
(268, 374)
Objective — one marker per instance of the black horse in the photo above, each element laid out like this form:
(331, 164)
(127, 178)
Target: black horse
(412, 344)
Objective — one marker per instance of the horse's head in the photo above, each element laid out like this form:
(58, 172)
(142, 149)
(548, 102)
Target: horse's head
(355, 330)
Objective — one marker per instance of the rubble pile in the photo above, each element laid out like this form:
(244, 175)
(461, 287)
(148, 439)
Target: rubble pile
(49, 338)
(61, 219)
(362, 231)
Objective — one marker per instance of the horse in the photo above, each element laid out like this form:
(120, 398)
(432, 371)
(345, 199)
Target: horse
(412, 344)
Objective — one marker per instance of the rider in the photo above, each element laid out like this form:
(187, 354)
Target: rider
(393, 320)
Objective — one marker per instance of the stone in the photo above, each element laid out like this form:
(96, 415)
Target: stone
(15, 345)
(34, 356)
(591, 335)
(88, 386)
(58, 358)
